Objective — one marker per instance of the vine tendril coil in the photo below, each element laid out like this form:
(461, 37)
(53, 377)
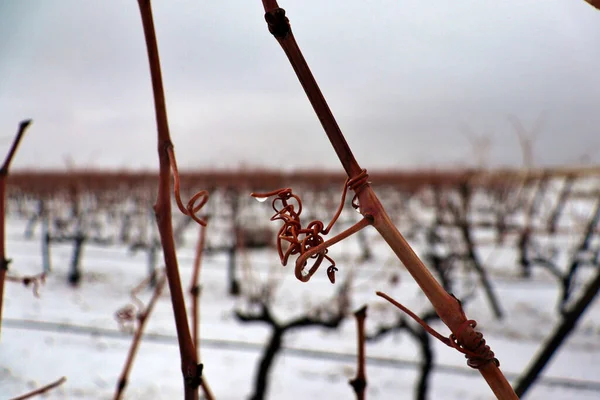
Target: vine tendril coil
(357, 184)
(477, 358)
(288, 207)
(191, 208)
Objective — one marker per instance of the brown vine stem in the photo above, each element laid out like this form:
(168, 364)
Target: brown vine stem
(3, 177)
(162, 209)
(301, 261)
(142, 318)
(330, 125)
(195, 290)
(445, 305)
(594, 3)
(359, 384)
(41, 390)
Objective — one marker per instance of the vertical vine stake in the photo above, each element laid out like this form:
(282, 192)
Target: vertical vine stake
(446, 306)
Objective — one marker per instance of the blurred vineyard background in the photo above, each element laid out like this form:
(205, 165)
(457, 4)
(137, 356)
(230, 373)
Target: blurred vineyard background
(520, 248)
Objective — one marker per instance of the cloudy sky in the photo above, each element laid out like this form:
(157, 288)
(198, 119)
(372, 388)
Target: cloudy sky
(406, 80)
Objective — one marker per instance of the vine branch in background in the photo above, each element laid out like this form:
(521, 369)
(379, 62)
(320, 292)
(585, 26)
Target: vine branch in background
(41, 390)
(359, 384)
(461, 219)
(15, 145)
(560, 333)
(3, 176)
(195, 290)
(447, 307)
(191, 371)
(142, 315)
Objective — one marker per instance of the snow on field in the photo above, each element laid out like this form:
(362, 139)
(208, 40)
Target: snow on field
(73, 332)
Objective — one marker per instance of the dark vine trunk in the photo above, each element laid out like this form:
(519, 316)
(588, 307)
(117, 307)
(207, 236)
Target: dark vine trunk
(559, 335)
(262, 375)
(426, 365)
(75, 270)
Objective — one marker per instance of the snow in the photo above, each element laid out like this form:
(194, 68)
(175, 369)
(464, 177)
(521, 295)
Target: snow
(73, 332)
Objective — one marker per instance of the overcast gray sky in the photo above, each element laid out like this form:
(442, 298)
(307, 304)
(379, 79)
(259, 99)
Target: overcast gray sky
(400, 76)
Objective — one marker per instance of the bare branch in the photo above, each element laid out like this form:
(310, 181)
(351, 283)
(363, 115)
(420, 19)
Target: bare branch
(189, 365)
(41, 390)
(195, 291)
(142, 317)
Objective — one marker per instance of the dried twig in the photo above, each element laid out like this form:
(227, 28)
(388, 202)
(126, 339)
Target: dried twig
(359, 384)
(189, 366)
(41, 390)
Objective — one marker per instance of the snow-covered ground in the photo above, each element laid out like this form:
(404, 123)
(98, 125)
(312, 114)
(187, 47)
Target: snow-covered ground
(73, 333)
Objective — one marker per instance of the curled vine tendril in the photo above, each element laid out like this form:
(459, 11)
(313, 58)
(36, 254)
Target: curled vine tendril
(308, 242)
(357, 184)
(196, 202)
(471, 344)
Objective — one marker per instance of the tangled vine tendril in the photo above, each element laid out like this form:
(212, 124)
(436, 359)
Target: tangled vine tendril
(300, 239)
(308, 242)
(473, 346)
(191, 208)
